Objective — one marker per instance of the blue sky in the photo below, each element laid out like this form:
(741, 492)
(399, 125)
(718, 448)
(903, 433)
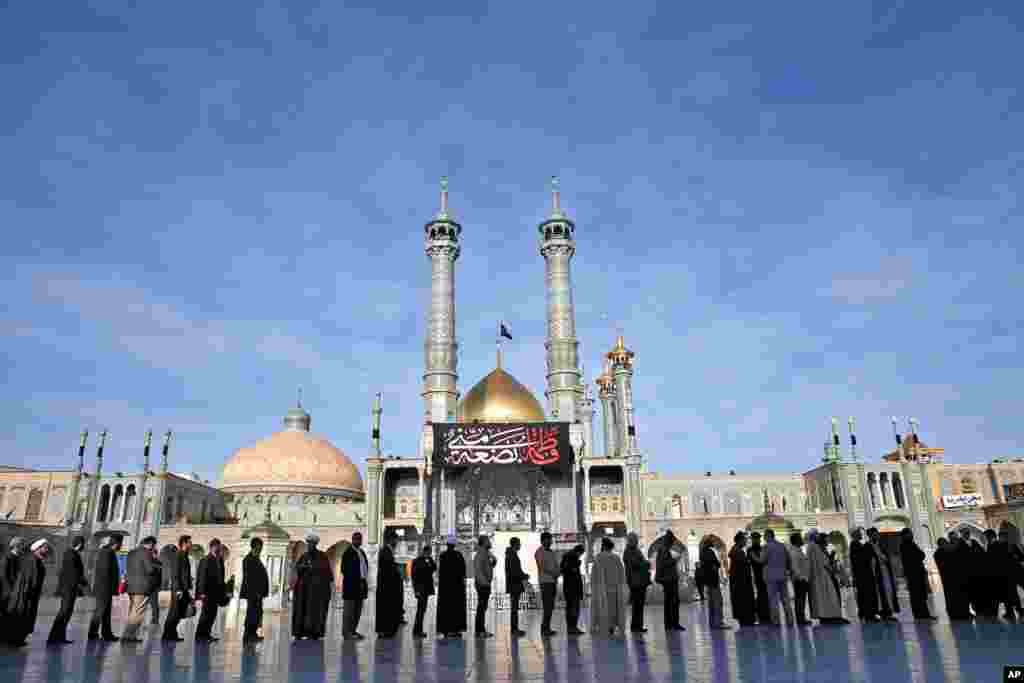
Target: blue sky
(793, 211)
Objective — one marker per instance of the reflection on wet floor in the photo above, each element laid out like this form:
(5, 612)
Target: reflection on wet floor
(905, 651)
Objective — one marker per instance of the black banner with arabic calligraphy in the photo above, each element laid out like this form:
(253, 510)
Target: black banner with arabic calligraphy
(537, 444)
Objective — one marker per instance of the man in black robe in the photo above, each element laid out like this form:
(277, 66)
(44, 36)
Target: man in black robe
(756, 555)
(741, 582)
(916, 575)
(515, 584)
(23, 600)
(210, 590)
(638, 578)
(572, 589)
(312, 591)
(1003, 577)
(666, 573)
(977, 589)
(10, 564)
(354, 587)
(105, 580)
(389, 586)
(949, 559)
(888, 601)
(179, 572)
(451, 592)
(70, 584)
(423, 568)
(862, 561)
(255, 587)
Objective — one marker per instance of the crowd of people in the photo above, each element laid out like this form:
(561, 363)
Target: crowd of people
(976, 581)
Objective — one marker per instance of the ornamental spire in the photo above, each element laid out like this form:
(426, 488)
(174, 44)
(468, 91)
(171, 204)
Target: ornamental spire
(556, 198)
(443, 215)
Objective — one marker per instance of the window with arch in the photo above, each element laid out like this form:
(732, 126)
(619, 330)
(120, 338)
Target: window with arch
(104, 504)
(35, 505)
(897, 491)
(883, 483)
(873, 489)
(115, 505)
(130, 501)
(83, 510)
(677, 507)
(732, 503)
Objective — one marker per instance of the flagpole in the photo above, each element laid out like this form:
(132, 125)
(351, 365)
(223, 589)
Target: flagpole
(498, 343)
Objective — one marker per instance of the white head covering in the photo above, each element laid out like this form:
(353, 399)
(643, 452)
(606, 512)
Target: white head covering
(38, 544)
(452, 540)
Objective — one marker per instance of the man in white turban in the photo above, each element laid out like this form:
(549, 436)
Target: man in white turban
(22, 603)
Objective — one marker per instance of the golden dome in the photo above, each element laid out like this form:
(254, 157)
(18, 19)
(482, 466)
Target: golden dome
(499, 397)
(292, 459)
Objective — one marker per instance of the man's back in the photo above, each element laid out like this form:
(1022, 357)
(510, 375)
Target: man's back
(775, 561)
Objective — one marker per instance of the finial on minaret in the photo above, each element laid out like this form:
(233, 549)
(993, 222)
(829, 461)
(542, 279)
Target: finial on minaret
(300, 397)
(556, 198)
(444, 198)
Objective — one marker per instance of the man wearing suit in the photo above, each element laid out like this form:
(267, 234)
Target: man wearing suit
(143, 581)
(211, 590)
(180, 587)
(105, 579)
(515, 581)
(354, 587)
(255, 587)
(776, 568)
(70, 584)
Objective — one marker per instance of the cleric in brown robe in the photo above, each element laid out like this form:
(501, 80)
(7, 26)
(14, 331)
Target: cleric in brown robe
(312, 589)
(22, 604)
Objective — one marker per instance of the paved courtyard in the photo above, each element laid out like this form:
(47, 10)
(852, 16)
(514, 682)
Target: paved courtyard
(906, 651)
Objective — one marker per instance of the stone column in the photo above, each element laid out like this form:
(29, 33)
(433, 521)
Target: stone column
(374, 509)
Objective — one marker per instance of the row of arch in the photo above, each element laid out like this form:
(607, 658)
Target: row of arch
(886, 492)
(731, 503)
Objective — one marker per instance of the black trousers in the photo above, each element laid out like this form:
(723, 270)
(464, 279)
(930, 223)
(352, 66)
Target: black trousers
(671, 604)
(800, 591)
(547, 601)
(700, 590)
(421, 610)
(207, 616)
(638, 599)
(918, 598)
(483, 594)
(175, 613)
(513, 610)
(100, 623)
(59, 630)
(572, 610)
(253, 617)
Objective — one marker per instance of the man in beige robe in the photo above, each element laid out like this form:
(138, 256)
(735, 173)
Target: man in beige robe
(609, 594)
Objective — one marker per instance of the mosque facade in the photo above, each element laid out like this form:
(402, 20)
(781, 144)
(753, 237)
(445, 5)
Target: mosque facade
(497, 460)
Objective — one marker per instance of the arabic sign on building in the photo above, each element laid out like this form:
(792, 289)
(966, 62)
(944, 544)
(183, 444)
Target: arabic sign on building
(543, 444)
(964, 500)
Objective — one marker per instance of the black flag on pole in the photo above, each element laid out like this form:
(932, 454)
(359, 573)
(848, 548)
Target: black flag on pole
(899, 441)
(853, 439)
(503, 331)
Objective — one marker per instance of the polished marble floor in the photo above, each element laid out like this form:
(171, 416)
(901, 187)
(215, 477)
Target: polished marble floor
(906, 651)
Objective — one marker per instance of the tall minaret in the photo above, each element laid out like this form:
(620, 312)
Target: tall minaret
(557, 246)
(440, 379)
(606, 393)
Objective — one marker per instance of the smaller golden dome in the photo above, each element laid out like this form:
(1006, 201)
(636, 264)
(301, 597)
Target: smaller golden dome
(499, 397)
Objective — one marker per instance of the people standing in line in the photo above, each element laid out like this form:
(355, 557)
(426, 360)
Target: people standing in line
(10, 563)
(865, 578)
(638, 578)
(826, 606)
(572, 588)
(483, 576)
(547, 576)
(741, 582)
(255, 587)
(776, 570)
(666, 573)
(105, 580)
(516, 581)
(609, 593)
(916, 575)
(143, 578)
(451, 591)
(755, 553)
(389, 588)
(423, 569)
(180, 585)
(210, 590)
(885, 578)
(709, 578)
(22, 604)
(1002, 570)
(949, 557)
(313, 589)
(70, 584)
(800, 571)
(354, 587)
